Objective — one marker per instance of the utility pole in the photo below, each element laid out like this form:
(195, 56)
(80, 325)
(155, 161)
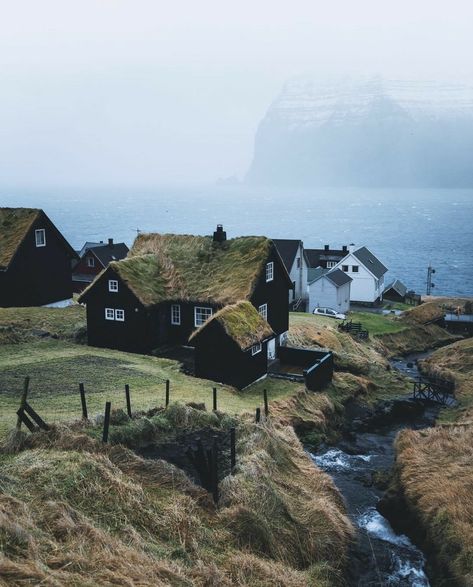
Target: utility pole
(430, 285)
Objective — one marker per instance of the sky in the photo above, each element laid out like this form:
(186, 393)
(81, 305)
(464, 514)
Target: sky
(141, 92)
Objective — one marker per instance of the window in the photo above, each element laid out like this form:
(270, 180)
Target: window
(112, 285)
(120, 315)
(331, 264)
(270, 271)
(90, 262)
(354, 268)
(201, 315)
(298, 262)
(345, 268)
(176, 314)
(263, 311)
(40, 237)
(255, 349)
(109, 314)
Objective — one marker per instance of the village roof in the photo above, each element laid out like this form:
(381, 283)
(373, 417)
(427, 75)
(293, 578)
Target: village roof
(162, 267)
(372, 263)
(336, 276)
(287, 248)
(315, 256)
(241, 322)
(397, 286)
(107, 253)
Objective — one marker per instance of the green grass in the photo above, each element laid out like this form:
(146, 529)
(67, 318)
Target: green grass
(57, 367)
(377, 323)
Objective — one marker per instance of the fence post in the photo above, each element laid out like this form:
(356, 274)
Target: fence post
(258, 415)
(83, 401)
(106, 422)
(266, 407)
(215, 468)
(215, 398)
(128, 401)
(232, 449)
(167, 392)
(24, 396)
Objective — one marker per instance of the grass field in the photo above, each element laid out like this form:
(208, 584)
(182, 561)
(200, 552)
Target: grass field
(376, 323)
(57, 367)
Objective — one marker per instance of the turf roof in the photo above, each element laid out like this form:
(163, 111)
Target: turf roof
(14, 226)
(242, 323)
(193, 268)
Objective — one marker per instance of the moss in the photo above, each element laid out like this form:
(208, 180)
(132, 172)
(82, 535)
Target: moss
(14, 224)
(242, 323)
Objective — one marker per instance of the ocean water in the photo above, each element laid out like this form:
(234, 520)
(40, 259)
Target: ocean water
(406, 228)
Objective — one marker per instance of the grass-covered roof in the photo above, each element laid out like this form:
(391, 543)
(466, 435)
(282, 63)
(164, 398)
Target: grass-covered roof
(14, 225)
(193, 268)
(242, 323)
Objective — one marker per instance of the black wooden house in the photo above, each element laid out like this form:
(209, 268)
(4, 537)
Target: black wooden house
(169, 285)
(35, 259)
(231, 347)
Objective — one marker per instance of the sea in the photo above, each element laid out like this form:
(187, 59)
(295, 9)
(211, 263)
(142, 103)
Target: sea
(407, 229)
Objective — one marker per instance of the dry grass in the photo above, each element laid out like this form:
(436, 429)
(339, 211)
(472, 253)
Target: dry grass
(242, 323)
(14, 225)
(423, 314)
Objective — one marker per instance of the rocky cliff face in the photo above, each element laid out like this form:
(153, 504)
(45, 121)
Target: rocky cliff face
(368, 132)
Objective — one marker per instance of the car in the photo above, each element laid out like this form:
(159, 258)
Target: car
(330, 313)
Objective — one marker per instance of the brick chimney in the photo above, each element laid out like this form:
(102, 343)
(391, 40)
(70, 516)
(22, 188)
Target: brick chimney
(110, 242)
(344, 248)
(326, 247)
(220, 235)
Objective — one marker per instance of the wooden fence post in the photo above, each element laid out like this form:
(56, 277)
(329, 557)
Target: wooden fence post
(83, 401)
(167, 392)
(23, 399)
(106, 422)
(214, 465)
(232, 449)
(215, 398)
(258, 415)
(128, 401)
(266, 407)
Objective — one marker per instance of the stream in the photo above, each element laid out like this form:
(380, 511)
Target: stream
(380, 556)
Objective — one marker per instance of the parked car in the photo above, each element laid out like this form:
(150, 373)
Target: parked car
(330, 313)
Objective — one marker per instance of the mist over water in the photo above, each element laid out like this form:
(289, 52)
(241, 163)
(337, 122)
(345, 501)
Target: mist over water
(406, 228)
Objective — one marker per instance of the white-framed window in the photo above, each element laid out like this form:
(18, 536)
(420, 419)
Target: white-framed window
(270, 271)
(201, 315)
(176, 314)
(263, 311)
(345, 268)
(331, 264)
(112, 285)
(354, 268)
(90, 262)
(40, 237)
(120, 315)
(109, 314)
(255, 349)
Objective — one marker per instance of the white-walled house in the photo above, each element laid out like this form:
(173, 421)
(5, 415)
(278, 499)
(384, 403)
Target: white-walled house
(367, 273)
(328, 288)
(294, 258)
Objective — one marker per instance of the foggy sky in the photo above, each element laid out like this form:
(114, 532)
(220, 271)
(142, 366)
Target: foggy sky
(147, 92)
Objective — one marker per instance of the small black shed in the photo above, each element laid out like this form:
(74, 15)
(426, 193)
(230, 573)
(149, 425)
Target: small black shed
(395, 291)
(231, 347)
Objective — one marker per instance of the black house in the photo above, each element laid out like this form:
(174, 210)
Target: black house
(35, 259)
(326, 257)
(170, 285)
(395, 291)
(231, 347)
(94, 258)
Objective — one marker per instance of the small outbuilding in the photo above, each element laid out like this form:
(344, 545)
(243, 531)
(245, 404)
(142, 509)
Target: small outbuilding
(395, 291)
(231, 347)
(329, 288)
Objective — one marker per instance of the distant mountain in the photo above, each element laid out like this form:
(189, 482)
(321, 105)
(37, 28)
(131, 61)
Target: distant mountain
(366, 132)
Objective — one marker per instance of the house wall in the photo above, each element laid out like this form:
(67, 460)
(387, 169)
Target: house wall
(219, 358)
(364, 287)
(179, 334)
(38, 275)
(323, 293)
(299, 277)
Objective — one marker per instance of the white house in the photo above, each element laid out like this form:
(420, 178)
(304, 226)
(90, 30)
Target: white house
(367, 273)
(294, 258)
(329, 288)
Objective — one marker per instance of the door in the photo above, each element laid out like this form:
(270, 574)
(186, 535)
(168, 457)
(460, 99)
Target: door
(272, 349)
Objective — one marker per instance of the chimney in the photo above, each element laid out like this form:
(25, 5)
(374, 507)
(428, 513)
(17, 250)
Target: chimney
(220, 235)
(351, 247)
(110, 242)
(326, 247)
(344, 249)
